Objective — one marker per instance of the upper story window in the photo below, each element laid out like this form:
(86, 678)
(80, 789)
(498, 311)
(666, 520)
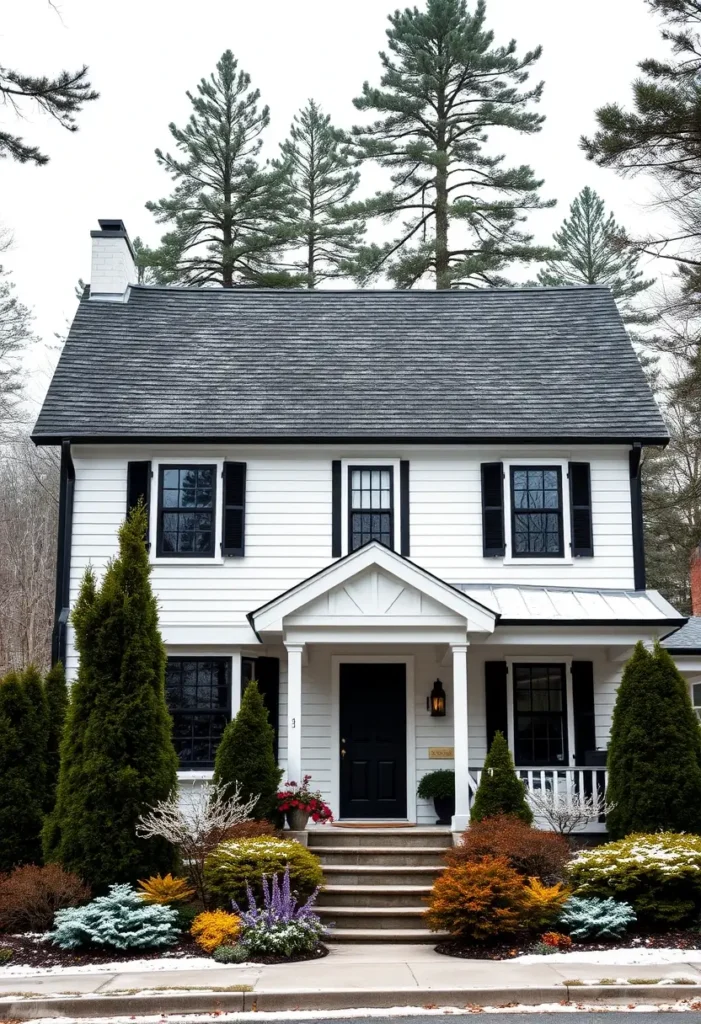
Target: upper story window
(371, 492)
(536, 512)
(198, 692)
(186, 511)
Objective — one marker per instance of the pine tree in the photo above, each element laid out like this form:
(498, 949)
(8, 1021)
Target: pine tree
(323, 182)
(57, 704)
(117, 758)
(589, 252)
(654, 756)
(231, 217)
(444, 84)
(500, 790)
(23, 732)
(245, 755)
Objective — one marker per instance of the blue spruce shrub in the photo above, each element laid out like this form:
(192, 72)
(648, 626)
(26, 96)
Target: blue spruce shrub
(120, 919)
(595, 918)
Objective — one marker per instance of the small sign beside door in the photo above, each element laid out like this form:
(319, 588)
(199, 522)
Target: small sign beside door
(441, 753)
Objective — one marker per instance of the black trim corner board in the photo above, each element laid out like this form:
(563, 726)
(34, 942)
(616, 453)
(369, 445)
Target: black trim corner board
(63, 556)
(636, 505)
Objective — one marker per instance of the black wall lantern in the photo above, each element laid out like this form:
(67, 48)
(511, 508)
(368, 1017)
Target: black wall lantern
(436, 702)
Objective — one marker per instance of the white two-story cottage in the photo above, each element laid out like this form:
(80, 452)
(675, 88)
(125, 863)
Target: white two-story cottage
(413, 516)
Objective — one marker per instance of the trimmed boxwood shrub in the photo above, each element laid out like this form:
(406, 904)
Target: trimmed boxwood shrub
(531, 851)
(238, 863)
(658, 874)
(500, 790)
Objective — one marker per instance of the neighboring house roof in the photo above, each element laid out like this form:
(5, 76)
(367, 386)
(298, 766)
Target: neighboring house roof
(290, 365)
(686, 640)
(530, 605)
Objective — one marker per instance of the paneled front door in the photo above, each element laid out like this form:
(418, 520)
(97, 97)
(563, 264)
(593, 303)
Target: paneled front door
(373, 741)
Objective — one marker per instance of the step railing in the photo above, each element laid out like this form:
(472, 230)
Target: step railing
(567, 783)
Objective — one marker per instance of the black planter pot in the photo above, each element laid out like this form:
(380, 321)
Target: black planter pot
(445, 809)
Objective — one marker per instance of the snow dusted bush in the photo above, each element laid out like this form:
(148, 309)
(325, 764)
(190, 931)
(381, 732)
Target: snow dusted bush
(658, 873)
(596, 919)
(281, 926)
(120, 919)
(238, 864)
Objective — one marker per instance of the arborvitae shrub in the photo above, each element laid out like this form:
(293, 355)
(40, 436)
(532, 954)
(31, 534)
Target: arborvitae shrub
(245, 755)
(236, 864)
(117, 758)
(120, 919)
(57, 705)
(531, 851)
(477, 900)
(658, 874)
(654, 757)
(596, 919)
(31, 895)
(500, 790)
(23, 732)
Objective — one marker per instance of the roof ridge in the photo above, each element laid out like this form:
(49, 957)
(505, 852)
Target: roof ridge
(243, 290)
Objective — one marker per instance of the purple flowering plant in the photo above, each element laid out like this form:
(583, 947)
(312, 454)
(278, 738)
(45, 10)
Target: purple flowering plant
(279, 905)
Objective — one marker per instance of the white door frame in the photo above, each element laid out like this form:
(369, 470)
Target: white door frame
(373, 659)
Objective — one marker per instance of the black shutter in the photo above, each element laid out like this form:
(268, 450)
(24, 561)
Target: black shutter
(580, 509)
(267, 672)
(493, 509)
(404, 507)
(583, 710)
(139, 487)
(234, 517)
(496, 698)
(336, 511)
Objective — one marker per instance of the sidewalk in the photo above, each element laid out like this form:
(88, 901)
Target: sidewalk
(351, 976)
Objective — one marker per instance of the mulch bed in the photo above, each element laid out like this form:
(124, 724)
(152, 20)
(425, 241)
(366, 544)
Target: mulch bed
(510, 950)
(28, 952)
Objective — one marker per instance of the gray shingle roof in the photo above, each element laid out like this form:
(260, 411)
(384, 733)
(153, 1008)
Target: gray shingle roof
(688, 638)
(470, 365)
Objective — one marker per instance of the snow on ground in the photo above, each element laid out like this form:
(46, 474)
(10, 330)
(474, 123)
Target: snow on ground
(183, 963)
(615, 957)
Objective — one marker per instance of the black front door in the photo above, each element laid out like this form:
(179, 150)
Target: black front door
(373, 741)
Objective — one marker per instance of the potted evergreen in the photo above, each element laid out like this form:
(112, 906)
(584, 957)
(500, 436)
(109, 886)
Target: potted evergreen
(439, 786)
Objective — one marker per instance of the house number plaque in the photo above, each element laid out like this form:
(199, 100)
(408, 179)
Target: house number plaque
(441, 753)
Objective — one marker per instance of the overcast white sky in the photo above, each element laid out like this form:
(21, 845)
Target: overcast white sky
(144, 54)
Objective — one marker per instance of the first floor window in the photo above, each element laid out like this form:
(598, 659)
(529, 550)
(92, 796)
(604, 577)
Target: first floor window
(371, 505)
(186, 511)
(198, 692)
(696, 698)
(540, 715)
(536, 512)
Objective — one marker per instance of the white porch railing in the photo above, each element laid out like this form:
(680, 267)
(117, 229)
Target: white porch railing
(566, 782)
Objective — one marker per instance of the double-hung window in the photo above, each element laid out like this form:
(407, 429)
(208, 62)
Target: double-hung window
(370, 491)
(540, 715)
(186, 511)
(198, 693)
(536, 512)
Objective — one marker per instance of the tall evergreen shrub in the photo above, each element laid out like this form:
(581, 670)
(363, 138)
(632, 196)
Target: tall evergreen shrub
(57, 704)
(500, 790)
(23, 730)
(245, 754)
(117, 757)
(654, 757)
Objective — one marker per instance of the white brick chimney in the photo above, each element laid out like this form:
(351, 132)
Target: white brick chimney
(113, 266)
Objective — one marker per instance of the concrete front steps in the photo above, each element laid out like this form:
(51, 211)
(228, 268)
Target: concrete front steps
(376, 881)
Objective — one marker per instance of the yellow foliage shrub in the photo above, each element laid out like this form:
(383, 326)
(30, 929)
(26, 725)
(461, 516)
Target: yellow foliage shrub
(542, 903)
(158, 889)
(215, 928)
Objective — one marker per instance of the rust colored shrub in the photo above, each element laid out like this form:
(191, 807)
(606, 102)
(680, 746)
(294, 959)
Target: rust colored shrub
(557, 940)
(528, 850)
(478, 899)
(250, 830)
(31, 895)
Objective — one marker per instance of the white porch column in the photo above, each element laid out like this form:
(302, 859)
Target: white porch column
(294, 712)
(461, 817)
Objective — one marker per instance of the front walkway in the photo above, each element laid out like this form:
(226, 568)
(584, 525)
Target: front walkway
(351, 976)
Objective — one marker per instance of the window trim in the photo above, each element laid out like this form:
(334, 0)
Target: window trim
(191, 769)
(387, 467)
(546, 556)
(178, 555)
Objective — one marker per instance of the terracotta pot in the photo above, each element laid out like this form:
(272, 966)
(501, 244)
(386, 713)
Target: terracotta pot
(297, 819)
